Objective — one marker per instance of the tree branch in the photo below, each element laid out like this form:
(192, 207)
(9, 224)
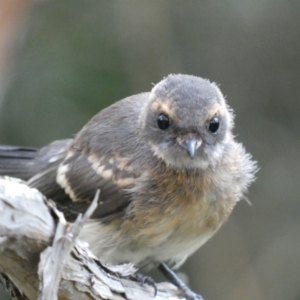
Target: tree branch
(38, 249)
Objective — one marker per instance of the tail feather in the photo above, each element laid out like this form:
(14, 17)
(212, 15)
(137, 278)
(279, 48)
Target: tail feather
(17, 152)
(25, 163)
(17, 161)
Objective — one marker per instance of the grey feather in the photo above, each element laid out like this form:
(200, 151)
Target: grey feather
(157, 203)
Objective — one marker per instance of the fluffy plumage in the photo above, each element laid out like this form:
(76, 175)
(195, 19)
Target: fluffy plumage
(164, 192)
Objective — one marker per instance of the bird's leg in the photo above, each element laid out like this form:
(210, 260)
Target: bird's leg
(186, 292)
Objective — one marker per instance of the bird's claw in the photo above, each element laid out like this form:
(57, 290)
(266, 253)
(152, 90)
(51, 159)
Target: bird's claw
(142, 279)
(189, 294)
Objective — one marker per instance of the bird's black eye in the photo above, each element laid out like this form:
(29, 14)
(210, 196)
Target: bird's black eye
(214, 125)
(163, 121)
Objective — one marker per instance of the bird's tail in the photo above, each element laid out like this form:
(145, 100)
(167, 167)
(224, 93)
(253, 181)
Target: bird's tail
(24, 163)
(17, 161)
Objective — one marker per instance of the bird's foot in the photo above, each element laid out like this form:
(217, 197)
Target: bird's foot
(185, 291)
(142, 279)
(188, 294)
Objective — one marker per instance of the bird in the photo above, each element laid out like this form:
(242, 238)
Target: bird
(168, 166)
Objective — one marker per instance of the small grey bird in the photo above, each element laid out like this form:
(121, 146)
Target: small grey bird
(167, 164)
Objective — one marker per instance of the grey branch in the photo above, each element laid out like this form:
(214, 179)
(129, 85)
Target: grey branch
(39, 253)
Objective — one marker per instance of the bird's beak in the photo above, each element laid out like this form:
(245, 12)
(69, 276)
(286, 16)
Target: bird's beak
(190, 144)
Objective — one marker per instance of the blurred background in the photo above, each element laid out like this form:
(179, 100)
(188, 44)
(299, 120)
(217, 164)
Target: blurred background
(63, 61)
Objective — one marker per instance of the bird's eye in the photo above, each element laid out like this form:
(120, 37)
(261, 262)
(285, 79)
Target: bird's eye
(214, 125)
(163, 121)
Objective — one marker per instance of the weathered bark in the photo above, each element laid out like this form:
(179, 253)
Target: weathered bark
(39, 251)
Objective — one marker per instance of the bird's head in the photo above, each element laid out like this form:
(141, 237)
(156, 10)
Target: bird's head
(187, 122)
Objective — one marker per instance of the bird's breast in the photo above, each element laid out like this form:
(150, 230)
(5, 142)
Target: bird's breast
(169, 217)
(175, 206)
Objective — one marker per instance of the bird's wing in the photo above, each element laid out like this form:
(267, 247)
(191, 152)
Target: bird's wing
(102, 156)
(70, 177)
(72, 181)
